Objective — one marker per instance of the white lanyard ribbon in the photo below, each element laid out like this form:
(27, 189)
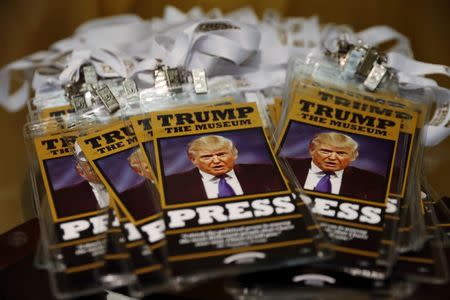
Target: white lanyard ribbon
(377, 35)
(200, 43)
(115, 33)
(410, 74)
(415, 68)
(100, 58)
(14, 101)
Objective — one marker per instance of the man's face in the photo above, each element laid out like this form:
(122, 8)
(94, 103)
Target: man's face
(332, 158)
(138, 165)
(86, 171)
(216, 162)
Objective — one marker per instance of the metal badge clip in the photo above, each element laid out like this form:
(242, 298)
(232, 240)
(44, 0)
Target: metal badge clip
(78, 102)
(130, 87)
(199, 80)
(90, 75)
(375, 76)
(367, 63)
(174, 80)
(168, 79)
(108, 99)
(353, 60)
(160, 81)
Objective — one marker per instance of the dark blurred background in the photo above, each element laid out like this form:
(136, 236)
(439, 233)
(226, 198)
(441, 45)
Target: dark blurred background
(28, 26)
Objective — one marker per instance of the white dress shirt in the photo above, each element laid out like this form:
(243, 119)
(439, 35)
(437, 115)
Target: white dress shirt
(211, 184)
(315, 174)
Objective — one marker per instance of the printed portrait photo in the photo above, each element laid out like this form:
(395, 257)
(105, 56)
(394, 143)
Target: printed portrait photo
(71, 191)
(150, 153)
(130, 178)
(335, 162)
(220, 165)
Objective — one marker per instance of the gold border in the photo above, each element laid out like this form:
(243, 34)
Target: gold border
(312, 227)
(390, 217)
(158, 245)
(85, 267)
(135, 244)
(149, 269)
(355, 251)
(387, 242)
(417, 259)
(404, 229)
(117, 256)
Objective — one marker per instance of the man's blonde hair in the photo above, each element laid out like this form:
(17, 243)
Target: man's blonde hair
(136, 158)
(211, 142)
(335, 138)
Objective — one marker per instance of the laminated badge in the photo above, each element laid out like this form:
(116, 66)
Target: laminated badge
(224, 197)
(117, 269)
(409, 140)
(404, 153)
(343, 159)
(79, 218)
(114, 153)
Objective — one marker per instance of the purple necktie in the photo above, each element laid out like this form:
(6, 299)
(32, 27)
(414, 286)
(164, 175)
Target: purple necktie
(324, 184)
(225, 190)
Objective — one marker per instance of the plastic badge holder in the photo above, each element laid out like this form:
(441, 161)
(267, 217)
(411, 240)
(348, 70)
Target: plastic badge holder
(324, 71)
(117, 265)
(320, 70)
(146, 266)
(117, 259)
(110, 145)
(132, 107)
(76, 258)
(218, 88)
(304, 205)
(210, 243)
(402, 158)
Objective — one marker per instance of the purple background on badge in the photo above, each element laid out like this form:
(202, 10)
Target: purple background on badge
(116, 169)
(150, 151)
(249, 142)
(62, 172)
(400, 155)
(374, 154)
